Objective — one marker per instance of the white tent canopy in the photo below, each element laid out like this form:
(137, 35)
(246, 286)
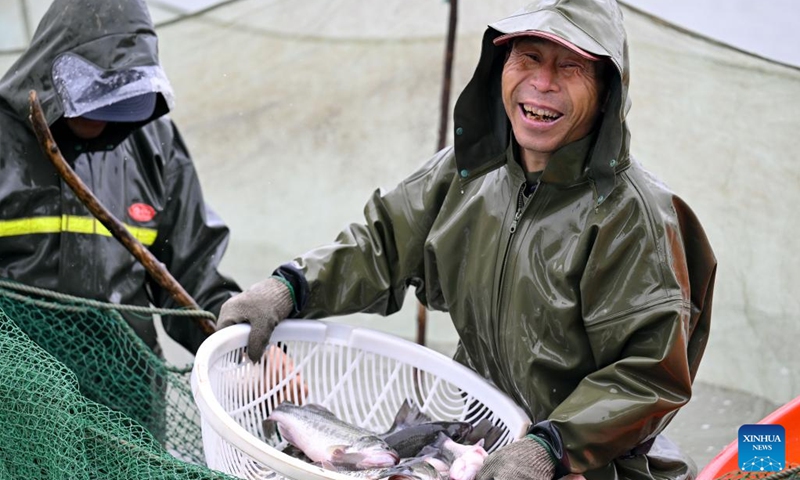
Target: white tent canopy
(766, 29)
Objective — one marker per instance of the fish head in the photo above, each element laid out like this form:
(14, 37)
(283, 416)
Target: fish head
(458, 431)
(364, 453)
(440, 465)
(416, 471)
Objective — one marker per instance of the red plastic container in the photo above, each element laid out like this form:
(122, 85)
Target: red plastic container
(727, 460)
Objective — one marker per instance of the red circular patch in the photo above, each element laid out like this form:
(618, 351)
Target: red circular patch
(141, 212)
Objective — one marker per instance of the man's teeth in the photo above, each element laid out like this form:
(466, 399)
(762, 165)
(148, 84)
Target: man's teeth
(540, 113)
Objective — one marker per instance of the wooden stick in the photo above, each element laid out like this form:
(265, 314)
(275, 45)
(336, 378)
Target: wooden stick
(155, 268)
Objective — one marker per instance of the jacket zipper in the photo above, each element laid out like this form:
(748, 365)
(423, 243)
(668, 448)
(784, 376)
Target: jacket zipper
(500, 298)
(517, 216)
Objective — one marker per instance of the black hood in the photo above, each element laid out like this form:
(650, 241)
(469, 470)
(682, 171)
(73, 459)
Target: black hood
(115, 39)
(482, 129)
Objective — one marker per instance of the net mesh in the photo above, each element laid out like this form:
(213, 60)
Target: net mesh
(83, 397)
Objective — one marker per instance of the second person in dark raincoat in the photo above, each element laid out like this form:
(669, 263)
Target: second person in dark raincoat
(94, 65)
(95, 68)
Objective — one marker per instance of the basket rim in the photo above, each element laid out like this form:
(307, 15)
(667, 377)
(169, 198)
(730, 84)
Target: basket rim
(320, 331)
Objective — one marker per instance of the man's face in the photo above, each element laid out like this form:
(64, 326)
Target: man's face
(86, 129)
(552, 96)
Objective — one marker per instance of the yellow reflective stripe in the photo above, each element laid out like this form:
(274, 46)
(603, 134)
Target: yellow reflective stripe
(70, 224)
(25, 226)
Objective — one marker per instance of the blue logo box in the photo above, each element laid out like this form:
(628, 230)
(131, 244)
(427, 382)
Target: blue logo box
(762, 448)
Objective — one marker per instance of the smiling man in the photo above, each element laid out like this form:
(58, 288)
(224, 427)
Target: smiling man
(578, 283)
(551, 95)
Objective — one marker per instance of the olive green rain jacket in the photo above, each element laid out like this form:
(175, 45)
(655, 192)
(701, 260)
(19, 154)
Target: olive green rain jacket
(84, 54)
(588, 303)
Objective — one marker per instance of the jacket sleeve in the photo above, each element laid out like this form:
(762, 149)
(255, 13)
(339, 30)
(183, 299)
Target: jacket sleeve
(647, 324)
(191, 242)
(369, 266)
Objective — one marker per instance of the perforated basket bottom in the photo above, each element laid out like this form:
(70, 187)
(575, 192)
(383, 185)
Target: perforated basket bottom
(362, 386)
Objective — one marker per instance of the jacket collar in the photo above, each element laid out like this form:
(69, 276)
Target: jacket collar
(567, 166)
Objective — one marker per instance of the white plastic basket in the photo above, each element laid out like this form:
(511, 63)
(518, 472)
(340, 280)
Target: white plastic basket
(361, 375)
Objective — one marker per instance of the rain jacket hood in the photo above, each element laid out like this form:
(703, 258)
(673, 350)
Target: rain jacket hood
(85, 55)
(482, 129)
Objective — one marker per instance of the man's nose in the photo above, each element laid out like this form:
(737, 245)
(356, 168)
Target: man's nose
(545, 78)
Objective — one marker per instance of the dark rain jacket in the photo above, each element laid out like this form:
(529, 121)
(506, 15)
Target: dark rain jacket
(588, 303)
(85, 54)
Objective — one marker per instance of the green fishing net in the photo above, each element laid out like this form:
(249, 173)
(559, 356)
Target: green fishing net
(82, 397)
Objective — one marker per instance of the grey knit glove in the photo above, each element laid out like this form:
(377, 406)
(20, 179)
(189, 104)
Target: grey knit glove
(525, 459)
(263, 306)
